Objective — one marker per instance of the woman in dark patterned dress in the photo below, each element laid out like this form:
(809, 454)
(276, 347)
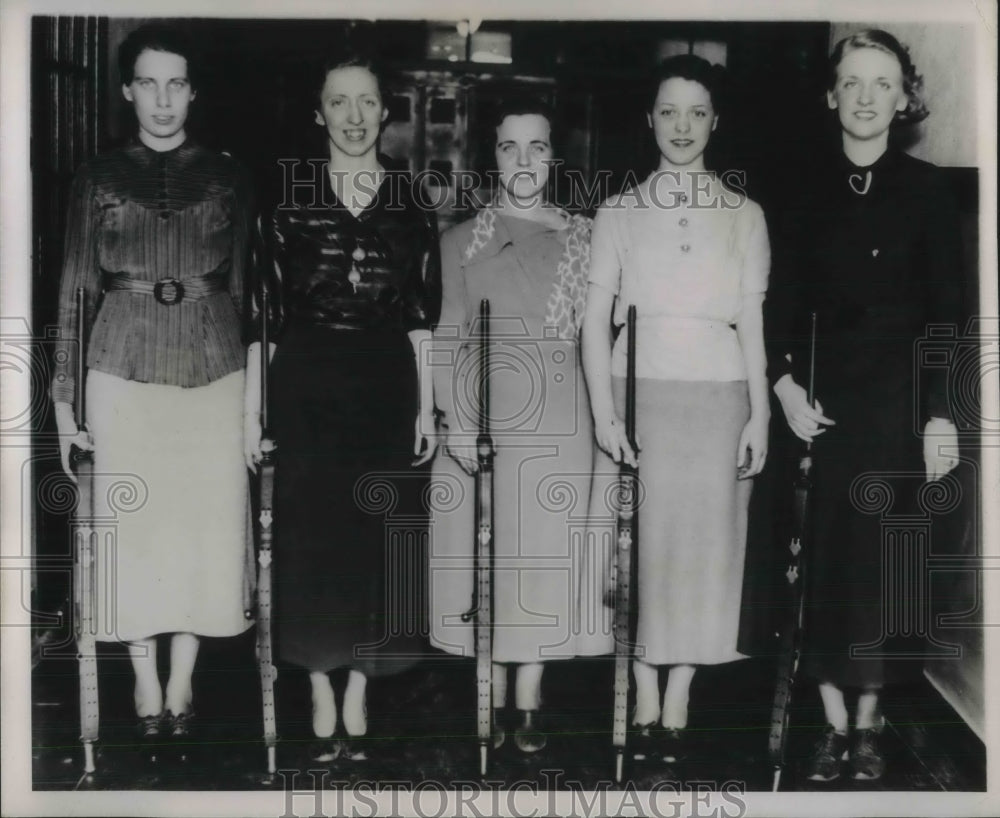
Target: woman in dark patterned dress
(874, 251)
(157, 236)
(357, 260)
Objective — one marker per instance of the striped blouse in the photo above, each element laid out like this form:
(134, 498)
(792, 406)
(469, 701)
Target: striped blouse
(153, 215)
(380, 269)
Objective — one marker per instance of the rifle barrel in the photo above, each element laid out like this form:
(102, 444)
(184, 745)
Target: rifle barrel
(265, 354)
(81, 341)
(484, 380)
(812, 361)
(811, 391)
(630, 379)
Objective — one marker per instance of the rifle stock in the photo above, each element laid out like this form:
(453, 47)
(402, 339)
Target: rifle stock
(84, 555)
(626, 562)
(790, 646)
(482, 608)
(268, 672)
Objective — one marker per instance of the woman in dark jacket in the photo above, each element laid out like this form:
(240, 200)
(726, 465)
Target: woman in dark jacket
(358, 264)
(876, 258)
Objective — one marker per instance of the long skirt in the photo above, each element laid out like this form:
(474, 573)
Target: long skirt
(171, 496)
(547, 572)
(350, 530)
(874, 521)
(692, 517)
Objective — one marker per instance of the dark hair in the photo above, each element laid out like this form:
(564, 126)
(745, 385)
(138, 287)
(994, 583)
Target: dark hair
(524, 106)
(156, 37)
(346, 59)
(913, 84)
(688, 67)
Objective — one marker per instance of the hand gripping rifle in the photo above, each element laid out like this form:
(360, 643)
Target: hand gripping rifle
(791, 634)
(268, 673)
(482, 608)
(85, 555)
(626, 561)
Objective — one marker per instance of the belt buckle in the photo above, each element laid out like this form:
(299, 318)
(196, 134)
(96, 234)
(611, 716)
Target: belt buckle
(168, 291)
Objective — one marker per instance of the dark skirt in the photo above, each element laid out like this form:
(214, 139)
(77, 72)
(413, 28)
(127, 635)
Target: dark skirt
(873, 522)
(349, 531)
(870, 526)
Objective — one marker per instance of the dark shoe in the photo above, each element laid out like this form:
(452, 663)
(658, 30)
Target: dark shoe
(180, 733)
(325, 750)
(355, 748)
(867, 761)
(528, 735)
(150, 731)
(829, 752)
(642, 741)
(672, 745)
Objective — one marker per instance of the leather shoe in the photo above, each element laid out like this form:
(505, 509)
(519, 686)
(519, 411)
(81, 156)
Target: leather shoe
(180, 732)
(150, 733)
(827, 755)
(867, 759)
(325, 750)
(355, 748)
(672, 745)
(642, 741)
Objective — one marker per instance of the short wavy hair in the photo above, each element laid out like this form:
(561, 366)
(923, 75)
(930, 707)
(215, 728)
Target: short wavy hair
(347, 58)
(524, 105)
(688, 67)
(913, 83)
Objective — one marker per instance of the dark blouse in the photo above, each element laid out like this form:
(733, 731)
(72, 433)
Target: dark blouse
(379, 270)
(152, 215)
(878, 257)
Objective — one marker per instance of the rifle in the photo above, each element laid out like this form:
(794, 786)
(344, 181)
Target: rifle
(84, 555)
(268, 672)
(482, 603)
(791, 634)
(625, 569)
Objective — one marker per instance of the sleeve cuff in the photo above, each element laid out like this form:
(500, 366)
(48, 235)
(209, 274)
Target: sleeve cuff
(777, 368)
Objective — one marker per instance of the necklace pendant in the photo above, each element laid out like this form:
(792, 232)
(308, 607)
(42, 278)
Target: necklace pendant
(855, 179)
(354, 277)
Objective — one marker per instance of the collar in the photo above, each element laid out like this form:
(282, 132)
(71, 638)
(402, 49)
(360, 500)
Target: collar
(670, 188)
(140, 151)
(889, 159)
(491, 233)
(862, 181)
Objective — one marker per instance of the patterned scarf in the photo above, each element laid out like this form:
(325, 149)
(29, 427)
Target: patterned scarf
(568, 299)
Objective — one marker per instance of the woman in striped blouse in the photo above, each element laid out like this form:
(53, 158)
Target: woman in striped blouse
(157, 236)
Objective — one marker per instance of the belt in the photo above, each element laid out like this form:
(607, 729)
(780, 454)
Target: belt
(170, 291)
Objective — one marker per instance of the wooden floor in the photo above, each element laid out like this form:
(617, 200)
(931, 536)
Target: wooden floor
(421, 727)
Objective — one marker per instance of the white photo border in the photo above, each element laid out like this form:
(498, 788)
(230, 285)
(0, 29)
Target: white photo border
(15, 253)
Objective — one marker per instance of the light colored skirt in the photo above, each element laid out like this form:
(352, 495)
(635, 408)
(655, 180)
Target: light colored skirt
(548, 575)
(171, 497)
(692, 517)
